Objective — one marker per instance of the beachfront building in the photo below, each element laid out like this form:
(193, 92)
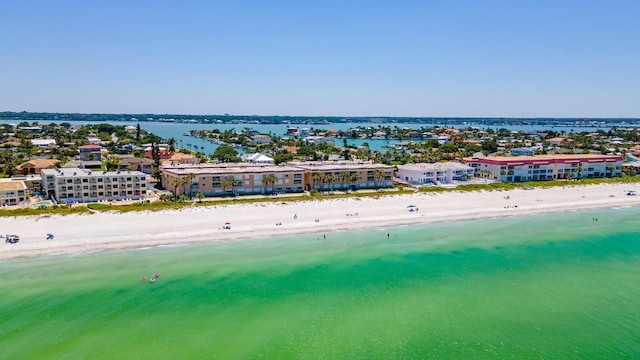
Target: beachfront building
(546, 167)
(69, 185)
(437, 173)
(344, 175)
(231, 179)
(12, 192)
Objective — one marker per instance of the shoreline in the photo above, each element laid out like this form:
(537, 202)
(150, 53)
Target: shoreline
(99, 232)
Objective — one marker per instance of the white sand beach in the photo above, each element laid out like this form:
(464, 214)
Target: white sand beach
(112, 231)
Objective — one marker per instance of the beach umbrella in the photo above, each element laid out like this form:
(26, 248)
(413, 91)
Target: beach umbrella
(227, 223)
(411, 206)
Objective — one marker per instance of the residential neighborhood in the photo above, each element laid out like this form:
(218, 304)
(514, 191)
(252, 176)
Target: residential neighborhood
(72, 164)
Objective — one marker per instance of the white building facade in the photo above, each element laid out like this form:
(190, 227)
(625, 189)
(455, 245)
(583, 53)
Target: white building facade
(437, 173)
(69, 185)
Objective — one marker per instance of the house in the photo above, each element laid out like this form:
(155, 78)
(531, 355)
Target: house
(437, 173)
(546, 167)
(44, 143)
(163, 152)
(556, 141)
(524, 151)
(319, 140)
(260, 139)
(69, 185)
(35, 166)
(90, 152)
(144, 165)
(257, 158)
(291, 149)
(181, 158)
(12, 192)
(11, 141)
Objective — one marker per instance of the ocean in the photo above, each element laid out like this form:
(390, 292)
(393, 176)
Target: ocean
(553, 286)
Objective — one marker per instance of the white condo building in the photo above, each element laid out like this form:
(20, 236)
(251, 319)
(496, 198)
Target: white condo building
(68, 185)
(436, 173)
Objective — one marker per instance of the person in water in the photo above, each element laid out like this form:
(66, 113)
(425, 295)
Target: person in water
(143, 278)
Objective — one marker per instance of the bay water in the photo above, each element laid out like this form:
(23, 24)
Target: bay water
(546, 286)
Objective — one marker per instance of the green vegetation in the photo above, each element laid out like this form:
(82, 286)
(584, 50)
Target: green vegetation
(53, 210)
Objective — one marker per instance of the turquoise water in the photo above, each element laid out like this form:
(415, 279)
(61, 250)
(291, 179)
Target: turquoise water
(552, 286)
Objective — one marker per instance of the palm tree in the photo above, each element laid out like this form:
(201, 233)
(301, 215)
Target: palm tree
(579, 170)
(378, 175)
(234, 183)
(353, 179)
(200, 196)
(317, 177)
(225, 183)
(330, 178)
(230, 182)
(269, 179)
(176, 182)
(191, 176)
(344, 176)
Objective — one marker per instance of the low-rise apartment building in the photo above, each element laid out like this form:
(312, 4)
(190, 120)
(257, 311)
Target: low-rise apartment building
(69, 185)
(546, 167)
(232, 179)
(436, 173)
(345, 174)
(12, 192)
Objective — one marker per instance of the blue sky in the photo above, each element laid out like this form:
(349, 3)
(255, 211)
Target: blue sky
(489, 58)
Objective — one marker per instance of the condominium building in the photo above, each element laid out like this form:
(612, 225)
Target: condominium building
(12, 192)
(68, 185)
(344, 174)
(231, 179)
(437, 173)
(546, 167)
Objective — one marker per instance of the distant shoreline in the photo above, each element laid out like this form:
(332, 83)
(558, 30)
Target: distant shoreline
(319, 120)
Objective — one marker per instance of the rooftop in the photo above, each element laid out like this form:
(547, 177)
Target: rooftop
(435, 166)
(226, 168)
(77, 172)
(337, 165)
(12, 185)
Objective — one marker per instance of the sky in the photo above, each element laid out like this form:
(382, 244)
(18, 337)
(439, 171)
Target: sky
(430, 58)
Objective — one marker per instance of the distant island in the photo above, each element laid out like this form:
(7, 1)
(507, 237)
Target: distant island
(316, 120)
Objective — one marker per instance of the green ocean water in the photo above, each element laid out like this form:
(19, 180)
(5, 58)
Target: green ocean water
(552, 286)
